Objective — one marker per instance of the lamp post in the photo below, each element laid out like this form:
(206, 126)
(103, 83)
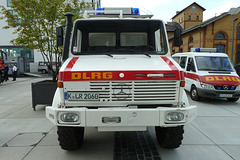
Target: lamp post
(233, 21)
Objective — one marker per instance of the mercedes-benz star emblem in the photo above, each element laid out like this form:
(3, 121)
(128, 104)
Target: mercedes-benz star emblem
(121, 91)
(225, 87)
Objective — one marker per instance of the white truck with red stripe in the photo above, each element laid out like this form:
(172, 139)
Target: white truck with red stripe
(209, 74)
(118, 75)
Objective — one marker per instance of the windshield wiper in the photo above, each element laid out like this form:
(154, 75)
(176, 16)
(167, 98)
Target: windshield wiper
(109, 55)
(148, 55)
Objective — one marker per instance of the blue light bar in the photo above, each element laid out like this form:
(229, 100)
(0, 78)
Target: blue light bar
(99, 9)
(197, 49)
(211, 50)
(135, 11)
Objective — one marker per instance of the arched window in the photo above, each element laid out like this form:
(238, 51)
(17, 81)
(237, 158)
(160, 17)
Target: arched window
(197, 18)
(220, 36)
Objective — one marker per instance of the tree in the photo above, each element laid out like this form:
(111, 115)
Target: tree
(35, 23)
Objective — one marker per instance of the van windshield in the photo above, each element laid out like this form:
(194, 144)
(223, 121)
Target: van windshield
(205, 63)
(119, 36)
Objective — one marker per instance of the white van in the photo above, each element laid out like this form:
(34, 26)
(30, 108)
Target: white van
(209, 73)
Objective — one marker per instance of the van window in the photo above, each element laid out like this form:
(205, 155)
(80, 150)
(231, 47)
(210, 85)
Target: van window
(191, 65)
(183, 62)
(176, 59)
(213, 63)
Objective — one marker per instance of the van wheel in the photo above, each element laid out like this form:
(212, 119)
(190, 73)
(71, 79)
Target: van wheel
(169, 137)
(232, 99)
(44, 71)
(70, 138)
(194, 94)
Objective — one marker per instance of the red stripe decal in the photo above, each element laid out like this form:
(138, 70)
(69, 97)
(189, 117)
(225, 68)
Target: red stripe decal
(119, 75)
(170, 64)
(71, 64)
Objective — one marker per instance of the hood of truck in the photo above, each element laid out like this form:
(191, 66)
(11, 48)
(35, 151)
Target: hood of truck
(120, 67)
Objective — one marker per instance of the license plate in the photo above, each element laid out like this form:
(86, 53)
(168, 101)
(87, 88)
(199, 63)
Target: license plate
(82, 96)
(225, 95)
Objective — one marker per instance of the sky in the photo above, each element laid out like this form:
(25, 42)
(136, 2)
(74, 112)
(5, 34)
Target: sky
(166, 9)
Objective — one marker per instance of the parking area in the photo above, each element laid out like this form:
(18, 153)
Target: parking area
(28, 135)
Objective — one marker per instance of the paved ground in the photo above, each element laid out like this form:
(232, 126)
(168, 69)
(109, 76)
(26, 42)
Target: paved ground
(27, 134)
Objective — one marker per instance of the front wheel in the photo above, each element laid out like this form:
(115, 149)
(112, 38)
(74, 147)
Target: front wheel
(169, 137)
(194, 94)
(70, 138)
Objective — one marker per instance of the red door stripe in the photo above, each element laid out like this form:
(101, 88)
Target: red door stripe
(71, 64)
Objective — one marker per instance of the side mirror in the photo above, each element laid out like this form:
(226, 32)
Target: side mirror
(59, 33)
(177, 37)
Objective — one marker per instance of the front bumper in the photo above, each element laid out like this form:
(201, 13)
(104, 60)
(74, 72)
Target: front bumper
(210, 93)
(128, 119)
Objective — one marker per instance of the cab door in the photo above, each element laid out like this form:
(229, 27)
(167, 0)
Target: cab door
(190, 73)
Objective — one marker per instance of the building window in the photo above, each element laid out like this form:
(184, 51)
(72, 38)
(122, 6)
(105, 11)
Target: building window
(238, 36)
(193, 9)
(220, 36)
(189, 17)
(9, 4)
(197, 18)
(221, 47)
(191, 40)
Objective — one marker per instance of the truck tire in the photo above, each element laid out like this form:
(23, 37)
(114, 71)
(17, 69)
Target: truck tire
(232, 99)
(194, 93)
(70, 138)
(169, 137)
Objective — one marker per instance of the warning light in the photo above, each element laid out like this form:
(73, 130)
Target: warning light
(135, 11)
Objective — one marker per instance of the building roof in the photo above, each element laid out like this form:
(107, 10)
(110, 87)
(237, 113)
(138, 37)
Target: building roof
(211, 20)
(194, 3)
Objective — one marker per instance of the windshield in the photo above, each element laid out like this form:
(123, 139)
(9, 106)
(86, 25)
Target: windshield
(213, 63)
(119, 36)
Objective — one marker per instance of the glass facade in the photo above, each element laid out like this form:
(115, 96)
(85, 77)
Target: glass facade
(14, 51)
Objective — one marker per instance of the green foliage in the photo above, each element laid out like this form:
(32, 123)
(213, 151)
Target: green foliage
(35, 23)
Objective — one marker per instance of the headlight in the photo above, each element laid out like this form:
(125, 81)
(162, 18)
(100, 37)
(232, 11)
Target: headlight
(238, 87)
(175, 116)
(69, 117)
(207, 86)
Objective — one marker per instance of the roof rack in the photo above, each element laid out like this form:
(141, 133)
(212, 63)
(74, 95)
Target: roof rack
(111, 14)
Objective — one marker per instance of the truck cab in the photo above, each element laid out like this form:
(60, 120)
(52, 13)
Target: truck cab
(209, 74)
(118, 75)
(3, 56)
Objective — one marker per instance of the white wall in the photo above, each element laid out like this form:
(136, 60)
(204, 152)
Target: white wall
(6, 34)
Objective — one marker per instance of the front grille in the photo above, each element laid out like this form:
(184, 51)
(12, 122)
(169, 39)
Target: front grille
(224, 87)
(135, 90)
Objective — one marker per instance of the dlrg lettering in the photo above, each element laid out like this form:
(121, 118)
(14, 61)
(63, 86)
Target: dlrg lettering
(223, 78)
(92, 75)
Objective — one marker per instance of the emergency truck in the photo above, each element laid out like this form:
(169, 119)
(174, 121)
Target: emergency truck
(209, 74)
(3, 56)
(118, 75)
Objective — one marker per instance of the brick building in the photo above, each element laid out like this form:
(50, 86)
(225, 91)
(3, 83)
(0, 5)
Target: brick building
(216, 32)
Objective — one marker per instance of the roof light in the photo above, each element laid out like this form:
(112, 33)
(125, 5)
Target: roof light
(99, 9)
(213, 50)
(135, 11)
